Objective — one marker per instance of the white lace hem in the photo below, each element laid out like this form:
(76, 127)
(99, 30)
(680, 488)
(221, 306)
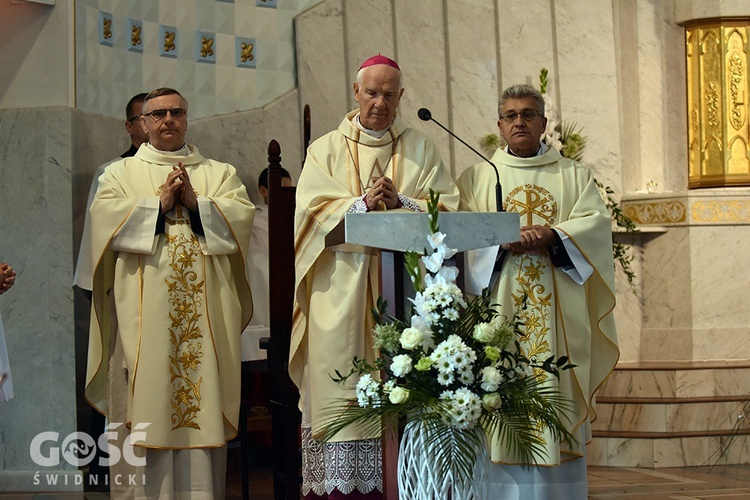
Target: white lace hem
(345, 466)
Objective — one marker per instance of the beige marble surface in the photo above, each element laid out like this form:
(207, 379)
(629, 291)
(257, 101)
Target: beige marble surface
(691, 10)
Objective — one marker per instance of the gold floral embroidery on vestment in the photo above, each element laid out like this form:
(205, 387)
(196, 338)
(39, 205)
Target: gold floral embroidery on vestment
(185, 299)
(530, 296)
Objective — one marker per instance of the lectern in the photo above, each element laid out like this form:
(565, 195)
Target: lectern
(391, 235)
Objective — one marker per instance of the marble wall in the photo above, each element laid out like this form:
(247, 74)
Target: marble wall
(37, 54)
(36, 239)
(693, 291)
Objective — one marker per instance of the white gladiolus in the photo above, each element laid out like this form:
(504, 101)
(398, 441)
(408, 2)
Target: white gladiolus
(436, 239)
(433, 262)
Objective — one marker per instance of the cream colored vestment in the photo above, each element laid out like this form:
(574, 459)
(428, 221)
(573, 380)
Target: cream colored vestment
(335, 290)
(561, 316)
(181, 299)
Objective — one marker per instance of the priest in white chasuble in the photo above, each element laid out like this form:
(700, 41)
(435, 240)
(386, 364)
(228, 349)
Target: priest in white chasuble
(563, 270)
(169, 232)
(373, 161)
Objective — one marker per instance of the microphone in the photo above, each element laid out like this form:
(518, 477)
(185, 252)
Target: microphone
(425, 115)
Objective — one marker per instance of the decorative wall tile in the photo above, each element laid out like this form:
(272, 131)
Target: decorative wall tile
(150, 51)
(205, 47)
(245, 18)
(205, 80)
(224, 18)
(265, 24)
(135, 33)
(168, 41)
(245, 52)
(105, 29)
(204, 14)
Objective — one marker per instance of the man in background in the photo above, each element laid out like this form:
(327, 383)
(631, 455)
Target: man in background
(257, 272)
(138, 135)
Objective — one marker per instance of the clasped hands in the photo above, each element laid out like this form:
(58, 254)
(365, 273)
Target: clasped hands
(177, 188)
(533, 239)
(382, 190)
(7, 277)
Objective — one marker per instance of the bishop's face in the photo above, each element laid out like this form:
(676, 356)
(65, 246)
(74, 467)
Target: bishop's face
(524, 131)
(378, 94)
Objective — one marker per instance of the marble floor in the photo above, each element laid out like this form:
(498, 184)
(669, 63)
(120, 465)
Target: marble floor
(726, 482)
(729, 482)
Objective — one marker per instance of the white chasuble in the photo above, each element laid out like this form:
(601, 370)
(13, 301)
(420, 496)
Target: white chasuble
(181, 298)
(335, 290)
(561, 317)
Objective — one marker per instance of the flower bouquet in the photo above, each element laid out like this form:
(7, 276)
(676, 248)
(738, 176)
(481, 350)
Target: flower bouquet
(456, 370)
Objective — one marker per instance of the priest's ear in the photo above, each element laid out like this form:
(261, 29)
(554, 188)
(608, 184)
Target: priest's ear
(263, 190)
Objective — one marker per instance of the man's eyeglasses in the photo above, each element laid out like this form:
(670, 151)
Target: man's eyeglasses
(134, 118)
(160, 114)
(526, 115)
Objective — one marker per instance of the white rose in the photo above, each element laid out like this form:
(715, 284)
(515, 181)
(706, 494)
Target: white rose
(411, 338)
(484, 332)
(401, 365)
(398, 395)
(492, 401)
(491, 378)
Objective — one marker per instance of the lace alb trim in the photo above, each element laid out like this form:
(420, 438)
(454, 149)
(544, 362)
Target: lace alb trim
(359, 206)
(345, 466)
(408, 203)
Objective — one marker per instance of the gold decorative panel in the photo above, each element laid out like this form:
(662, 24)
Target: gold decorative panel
(721, 211)
(656, 212)
(718, 92)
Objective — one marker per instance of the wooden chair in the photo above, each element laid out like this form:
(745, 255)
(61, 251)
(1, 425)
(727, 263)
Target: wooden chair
(283, 394)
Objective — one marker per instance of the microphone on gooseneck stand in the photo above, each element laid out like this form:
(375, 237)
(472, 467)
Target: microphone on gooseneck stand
(425, 115)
